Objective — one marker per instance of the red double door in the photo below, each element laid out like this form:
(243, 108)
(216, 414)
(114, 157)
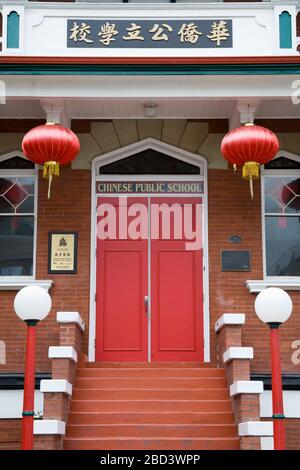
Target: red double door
(149, 281)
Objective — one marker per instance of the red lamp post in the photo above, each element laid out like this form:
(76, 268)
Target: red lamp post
(274, 306)
(32, 304)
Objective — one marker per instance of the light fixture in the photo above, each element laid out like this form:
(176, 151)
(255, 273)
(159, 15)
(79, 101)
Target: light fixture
(150, 110)
(32, 304)
(274, 306)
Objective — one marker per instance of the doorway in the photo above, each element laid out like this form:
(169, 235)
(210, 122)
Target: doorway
(149, 302)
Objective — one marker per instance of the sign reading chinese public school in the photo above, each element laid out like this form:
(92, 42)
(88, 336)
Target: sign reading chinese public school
(150, 187)
(149, 33)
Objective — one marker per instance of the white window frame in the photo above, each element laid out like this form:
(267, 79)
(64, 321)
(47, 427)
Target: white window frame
(289, 280)
(15, 280)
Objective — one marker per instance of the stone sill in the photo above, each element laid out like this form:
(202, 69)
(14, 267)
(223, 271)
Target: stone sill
(286, 284)
(19, 284)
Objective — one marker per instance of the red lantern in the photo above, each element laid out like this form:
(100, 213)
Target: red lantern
(250, 146)
(50, 145)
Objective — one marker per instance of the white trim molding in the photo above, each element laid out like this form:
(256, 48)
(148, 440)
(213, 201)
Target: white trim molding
(255, 286)
(229, 319)
(62, 352)
(237, 353)
(266, 443)
(17, 284)
(56, 386)
(132, 149)
(256, 428)
(246, 386)
(70, 317)
(49, 426)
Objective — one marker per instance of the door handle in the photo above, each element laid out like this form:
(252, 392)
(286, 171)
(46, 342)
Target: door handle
(146, 302)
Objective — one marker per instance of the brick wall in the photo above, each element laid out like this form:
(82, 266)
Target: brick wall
(232, 212)
(68, 209)
(10, 434)
(292, 428)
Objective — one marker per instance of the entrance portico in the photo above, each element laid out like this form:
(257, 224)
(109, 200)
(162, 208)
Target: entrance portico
(149, 283)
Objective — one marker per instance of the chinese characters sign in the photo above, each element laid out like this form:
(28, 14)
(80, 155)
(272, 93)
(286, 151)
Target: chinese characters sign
(214, 33)
(62, 252)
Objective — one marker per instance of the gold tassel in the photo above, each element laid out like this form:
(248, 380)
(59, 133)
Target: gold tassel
(251, 172)
(50, 169)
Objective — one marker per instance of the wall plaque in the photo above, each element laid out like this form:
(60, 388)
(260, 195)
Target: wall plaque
(234, 260)
(62, 252)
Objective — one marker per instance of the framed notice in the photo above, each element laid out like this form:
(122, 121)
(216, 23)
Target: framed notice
(62, 252)
(234, 260)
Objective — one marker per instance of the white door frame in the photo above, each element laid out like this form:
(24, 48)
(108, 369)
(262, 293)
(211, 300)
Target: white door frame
(127, 151)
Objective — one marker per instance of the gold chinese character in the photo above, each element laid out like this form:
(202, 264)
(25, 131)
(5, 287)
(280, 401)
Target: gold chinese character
(134, 32)
(158, 31)
(219, 32)
(189, 33)
(80, 33)
(107, 31)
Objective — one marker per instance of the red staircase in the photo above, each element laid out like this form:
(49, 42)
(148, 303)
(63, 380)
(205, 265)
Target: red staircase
(157, 406)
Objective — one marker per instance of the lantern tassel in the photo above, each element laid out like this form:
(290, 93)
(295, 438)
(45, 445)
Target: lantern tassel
(50, 169)
(49, 186)
(251, 172)
(251, 186)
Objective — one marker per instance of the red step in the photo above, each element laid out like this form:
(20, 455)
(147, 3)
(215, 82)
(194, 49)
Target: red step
(164, 372)
(151, 383)
(148, 365)
(148, 394)
(167, 417)
(153, 443)
(148, 430)
(150, 405)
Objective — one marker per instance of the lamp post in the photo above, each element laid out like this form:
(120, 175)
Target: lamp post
(32, 304)
(273, 306)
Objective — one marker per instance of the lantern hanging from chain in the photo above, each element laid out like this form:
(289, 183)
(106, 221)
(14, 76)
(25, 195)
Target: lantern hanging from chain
(50, 145)
(249, 146)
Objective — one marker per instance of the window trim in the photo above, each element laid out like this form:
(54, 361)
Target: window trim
(291, 281)
(19, 280)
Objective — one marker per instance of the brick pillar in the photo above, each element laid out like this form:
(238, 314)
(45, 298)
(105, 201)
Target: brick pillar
(244, 393)
(49, 432)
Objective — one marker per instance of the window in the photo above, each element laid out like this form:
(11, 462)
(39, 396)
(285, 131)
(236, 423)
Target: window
(149, 162)
(281, 188)
(17, 216)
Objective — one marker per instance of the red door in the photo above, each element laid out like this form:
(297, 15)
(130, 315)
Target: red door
(177, 282)
(122, 284)
(175, 292)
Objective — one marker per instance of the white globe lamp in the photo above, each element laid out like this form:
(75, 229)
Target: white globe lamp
(32, 303)
(273, 305)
